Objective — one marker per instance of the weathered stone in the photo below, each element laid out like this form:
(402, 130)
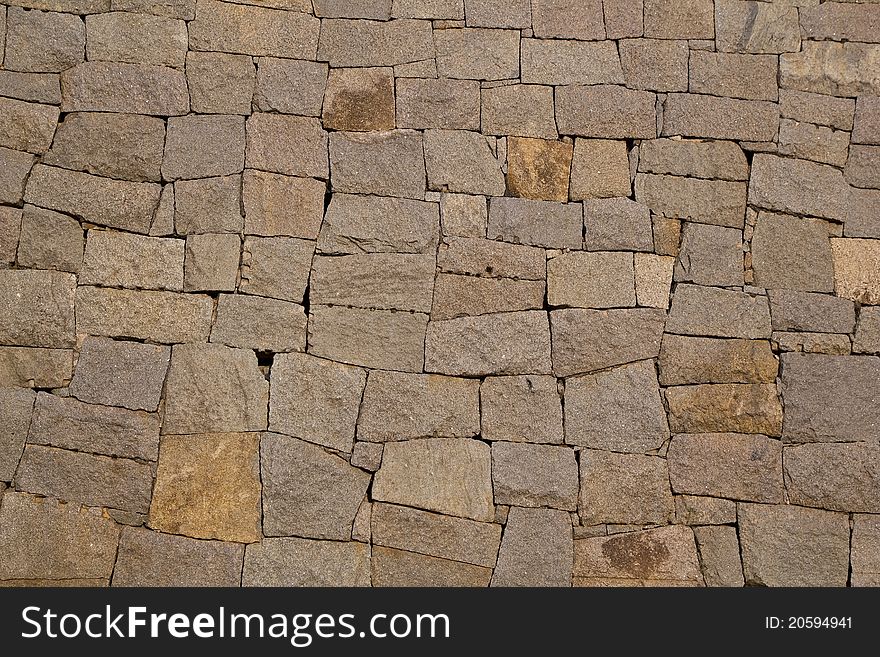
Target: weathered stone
(695, 115)
(667, 235)
(220, 83)
(436, 535)
(400, 568)
(208, 486)
(623, 18)
(68, 6)
(399, 406)
(276, 267)
(524, 110)
(461, 296)
(498, 13)
(122, 146)
(590, 340)
(534, 475)
(792, 253)
(863, 166)
(14, 169)
(375, 280)
(734, 466)
(867, 120)
(31, 87)
(708, 360)
(38, 41)
(27, 126)
(35, 368)
(666, 556)
(813, 343)
(813, 142)
(480, 257)
(386, 163)
(434, 9)
(653, 279)
(204, 146)
(447, 475)
(45, 539)
(521, 409)
(315, 399)
(210, 205)
(814, 472)
(798, 187)
(841, 22)
(290, 86)
(800, 106)
(16, 407)
(407, 226)
(836, 69)
(598, 279)
(292, 145)
(717, 202)
(212, 388)
(10, 232)
(504, 343)
(806, 311)
(359, 99)
(751, 77)
(568, 19)
(600, 169)
(538, 169)
(249, 322)
(303, 562)
(461, 161)
(857, 269)
(367, 456)
(163, 317)
(725, 407)
(865, 548)
(119, 87)
(618, 410)
(38, 308)
(605, 112)
(307, 491)
(126, 374)
(71, 424)
(50, 240)
(148, 558)
(617, 224)
(756, 27)
(691, 510)
(710, 255)
(478, 54)
(370, 43)
(90, 479)
(536, 549)
(235, 28)
(624, 489)
(379, 339)
(560, 62)
(867, 337)
(720, 160)
(655, 64)
(719, 555)
(282, 205)
(444, 103)
(830, 398)
(537, 223)
(671, 19)
(708, 311)
(791, 546)
(211, 262)
(114, 203)
(116, 259)
(375, 9)
(183, 9)
(136, 38)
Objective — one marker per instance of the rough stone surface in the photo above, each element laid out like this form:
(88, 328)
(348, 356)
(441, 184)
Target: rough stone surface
(605, 111)
(793, 253)
(521, 409)
(462, 162)
(443, 103)
(276, 267)
(697, 115)
(359, 99)
(460, 296)
(706, 311)
(717, 202)
(134, 88)
(534, 476)
(115, 259)
(617, 224)
(736, 407)
(813, 473)
(807, 311)
(292, 145)
(591, 280)
(220, 83)
(710, 360)
(537, 223)
(211, 262)
(50, 240)
(713, 255)
(384, 163)
(46, 42)
(867, 337)
(17, 407)
(39, 308)
(208, 205)
(720, 556)
(600, 169)
(857, 269)
(538, 169)
(392, 567)
(536, 549)
(865, 543)
(265, 325)
(303, 562)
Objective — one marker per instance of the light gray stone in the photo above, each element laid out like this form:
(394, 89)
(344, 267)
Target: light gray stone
(381, 163)
(599, 279)
(373, 43)
(536, 549)
(117, 259)
(121, 87)
(483, 257)
(534, 475)
(292, 145)
(50, 240)
(707, 311)
(478, 54)
(462, 162)
(719, 555)
(265, 325)
(304, 562)
(276, 267)
(815, 476)
(537, 223)
(564, 62)
(605, 112)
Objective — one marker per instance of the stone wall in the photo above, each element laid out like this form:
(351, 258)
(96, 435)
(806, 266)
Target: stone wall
(440, 292)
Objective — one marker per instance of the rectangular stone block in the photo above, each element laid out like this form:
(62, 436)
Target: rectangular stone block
(400, 568)
(706, 311)
(204, 146)
(819, 109)
(815, 476)
(482, 257)
(504, 343)
(569, 19)
(16, 406)
(711, 117)
(865, 550)
(559, 62)
(597, 279)
(461, 296)
(691, 510)
(539, 169)
(372, 43)
(15, 167)
(220, 83)
(136, 39)
(680, 19)
(709, 360)
(273, 138)
(606, 111)
(183, 9)
(536, 550)
(35, 368)
(857, 269)
(756, 27)
(600, 169)
(443, 103)
(478, 54)
(751, 77)
(31, 87)
(725, 407)
(534, 475)
(807, 70)
(462, 162)
(720, 160)
(524, 110)
(209, 205)
(120, 87)
(381, 339)
(655, 64)
(115, 259)
(27, 126)
(376, 9)
(719, 555)
(38, 307)
(304, 562)
(381, 163)
(42, 41)
(521, 409)
(276, 267)
(617, 224)
(536, 223)
(258, 323)
(798, 187)
(624, 489)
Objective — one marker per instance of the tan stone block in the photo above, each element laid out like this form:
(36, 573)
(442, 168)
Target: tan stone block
(734, 407)
(359, 99)
(709, 360)
(538, 169)
(653, 279)
(857, 269)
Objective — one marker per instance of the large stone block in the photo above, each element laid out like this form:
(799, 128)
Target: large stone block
(441, 103)
(717, 202)
(304, 562)
(606, 112)
(292, 145)
(840, 477)
(50, 240)
(757, 27)
(359, 99)
(536, 223)
(807, 311)
(833, 68)
(38, 41)
(38, 308)
(534, 475)
(35, 368)
(460, 296)
(710, 255)
(220, 83)
(792, 253)
(857, 269)
(563, 62)
(524, 110)
(715, 312)
(710, 360)
(536, 549)
(382, 163)
(116, 259)
(136, 39)
(478, 54)
(120, 87)
(372, 43)
(521, 409)
(598, 279)
(258, 323)
(725, 407)
(399, 568)
(712, 117)
(680, 19)
(276, 267)
(482, 257)
(462, 162)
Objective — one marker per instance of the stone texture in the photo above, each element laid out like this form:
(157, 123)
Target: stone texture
(792, 253)
(400, 568)
(31, 87)
(605, 111)
(711, 255)
(814, 472)
(538, 169)
(832, 68)
(210, 205)
(867, 120)
(214, 389)
(707, 311)
(68, 423)
(220, 83)
(50, 240)
(462, 162)
(46, 42)
(447, 475)
(617, 224)
(136, 39)
(45, 539)
(478, 54)
(567, 19)
(813, 142)
(857, 269)
(276, 267)
(258, 323)
(443, 103)
(276, 205)
(668, 19)
(203, 146)
(602, 279)
(696, 115)
(14, 169)
(39, 308)
(618, 410)
(17, 407)
(148, 558)
(381, 339)
(133, 88)
(211, 263)
(723, 407)
(384, 163)
(590, 340)
(719, 556)
(600, 169)
(751, 77)
(504, 343)
(116, 259)
(803, 106)
(461, 296)
(273, 138)
(521, 409)
(865, 545)
(791, 546)
(624, 489)
(807, 311)
(536, 223)
(398, 406)
(564, 62)
(375, 9)
(534, 475)
(370, 43)
(722, 160)
(653, 279)
(304, 562)
(867, 336)
(535, 550)
(666, 556)
(756, 27)
(654, 64)
(709, 360)
(359, 99)
(480, 257)
(692, 510)
(524, 110)
(208, 486)
(10, 232)
(716, 202)
(829, 398)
